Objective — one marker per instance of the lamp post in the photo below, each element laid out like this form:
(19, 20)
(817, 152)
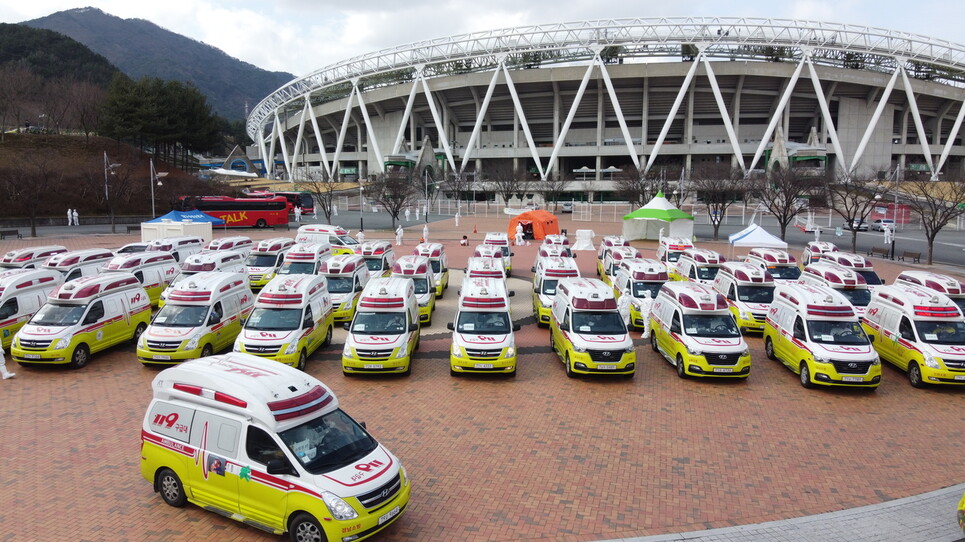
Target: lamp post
(109, 170)
(361, 207)
(155, 181)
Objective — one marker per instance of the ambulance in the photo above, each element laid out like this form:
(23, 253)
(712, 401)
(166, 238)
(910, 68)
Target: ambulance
(692, 328)
(82, 317)
(920, 331)
(225, 261)
(945, 284)
(587, 331)
(347, 276)
(336, 236)
(238, 243)
(671, 248)
(814, 331)
(265, 259)
(292, 318)
(548, 274)
(154, 270)
(697, 265)
(180, 246)
(501, 240)
(436, 252)
(30, 257)
(267, 445)
(556, 239)
(781, 265)
(78, 263)
(384, 333)
(848, 283)
(417, 269)
(815, 250)
(485, 268)
(22, 293)
(202, 316)
(611, 264)
(552, 251)
(607, 244)
(379, 257)
(305, 259)
(638, 278)
(860, 264)
(749, 291)
(482, 338)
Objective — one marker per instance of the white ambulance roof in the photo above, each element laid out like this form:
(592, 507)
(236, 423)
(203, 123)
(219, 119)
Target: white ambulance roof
(555, 239)
(375, 248)
(556, 267)
(772, 256)
(487, 251)
(322, 228)
(138, 260)
(645, 269)
(933, 281)
(410, 265)
(273, 245)
(204, 288)
(84, 289)
(917, 301)
(236, 242)
(833, 273)
(90, 256)
(614, 241)
(693, 295)
(848, 259)
(549, 251)
(308, 252)
(703, 256)
(676, 243)
(291, 290)
(169, 244)
(387, 293)
(483, 293)
(625, 251)
(587, 293)
(342, 264)
(498, 238)
(820, 247)
(484, 267)
(746, 272)
(279, 396)
(430, 250)
(24, 256)
(815, 300)
(211, 261)
(15, 281)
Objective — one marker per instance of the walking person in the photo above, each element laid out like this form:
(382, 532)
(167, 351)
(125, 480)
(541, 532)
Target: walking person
(315, 211)
(70, 217)
(425, 233)
(398, 236)
(360, 237)
(3, 366)
(76, 220)
(407, 214)
(417, 213)
(298, 214)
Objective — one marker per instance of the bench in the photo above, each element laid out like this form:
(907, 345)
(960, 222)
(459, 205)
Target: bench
(132, 229)
(915, 256)
(878, 251)
(10, 233)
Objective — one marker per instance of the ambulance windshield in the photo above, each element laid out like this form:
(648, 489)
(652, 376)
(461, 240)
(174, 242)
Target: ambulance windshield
(707, 273)
(436, 266)
(549, 287)
(58, 315)
(261, 260)
(601, 323)
(483, 323)
(328, 442)
(297, 268)
(345, 240)
(960, 301)
(640, 287)
(935, 332)
(870, 277)
(263, 319)
(421, 285)
(857, 297)
(755, 294)
(837, 332)
(379, 323)
(711, 325)
(339, 285)
(374, 264)
(784, 272)
(180, 315)
(673, 256)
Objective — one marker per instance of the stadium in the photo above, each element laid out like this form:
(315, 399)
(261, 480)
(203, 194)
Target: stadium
(586, 103)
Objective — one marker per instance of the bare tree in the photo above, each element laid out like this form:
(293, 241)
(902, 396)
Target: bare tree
(394, 193)
(18, 86)
(507, 182)
(853, 200)
(25, 186)
(937, 203)
(553, 189)
(86, 100)
(784, 194)
(323, 189)
(634, 187)
(719, 186)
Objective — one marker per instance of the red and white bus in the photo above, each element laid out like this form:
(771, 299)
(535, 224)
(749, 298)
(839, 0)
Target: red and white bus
(301, 199)
(241, 212)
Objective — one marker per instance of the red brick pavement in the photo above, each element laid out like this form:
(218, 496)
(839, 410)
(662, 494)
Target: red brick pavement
(538, 457)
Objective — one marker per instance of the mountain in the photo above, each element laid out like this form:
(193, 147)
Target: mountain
(51, 54)
(141, 48)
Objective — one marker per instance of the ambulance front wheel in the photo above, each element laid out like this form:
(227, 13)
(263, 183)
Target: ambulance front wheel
(138, 331)
(80, 357)
(681, 367)
(302, 360)
(653, 341)
(769, 349)
(569, 367)
(305, 528)
(207, 351)
(171, 488)
(806, 376)
(914, 375)
(328, 337)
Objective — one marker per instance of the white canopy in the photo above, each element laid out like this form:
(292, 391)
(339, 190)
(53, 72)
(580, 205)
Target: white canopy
(756, 236)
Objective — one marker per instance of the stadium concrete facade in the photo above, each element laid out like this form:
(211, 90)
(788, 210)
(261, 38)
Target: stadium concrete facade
(589, 101)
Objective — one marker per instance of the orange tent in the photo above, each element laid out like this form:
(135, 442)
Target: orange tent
(537, 224)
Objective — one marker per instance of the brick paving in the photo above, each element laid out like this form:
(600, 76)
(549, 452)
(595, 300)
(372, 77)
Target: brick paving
(538, 457)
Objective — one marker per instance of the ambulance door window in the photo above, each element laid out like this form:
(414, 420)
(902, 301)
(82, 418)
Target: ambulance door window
(216, 314)
(675, 323)
(565, 323)
(905, 329)
(693, 272)
(75, 274)
(308, 321)
(9, 308)
(732, 293)
(139, 275)
(799, 329)
(95, 313)
(262, 448)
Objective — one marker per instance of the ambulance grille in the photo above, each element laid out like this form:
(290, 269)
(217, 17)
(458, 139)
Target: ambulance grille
(952, 364)
(851, 367)
(605, 355)
(261, 350)
(483, 354)
(373, 354)
(163, 346)
(760, 317)
(34, 344)
(722, 359)
(380, 495)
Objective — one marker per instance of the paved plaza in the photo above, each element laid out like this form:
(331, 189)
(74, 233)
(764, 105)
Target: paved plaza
(536, 457)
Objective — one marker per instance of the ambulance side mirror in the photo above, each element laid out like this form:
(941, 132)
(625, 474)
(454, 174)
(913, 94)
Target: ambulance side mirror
(573, 256)
(358, 287)
(450, 326)
(532, 269)
(517, 327)
(871, 338)
(279, 466)
(413, 326)
(347, 326)
(512, 293)
(512, 253)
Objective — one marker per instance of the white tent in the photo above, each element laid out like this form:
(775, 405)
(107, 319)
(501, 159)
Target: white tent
(650, 221)
(755, 236)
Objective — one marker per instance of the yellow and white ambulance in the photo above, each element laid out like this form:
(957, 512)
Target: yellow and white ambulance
(606, 245)
(292, 318)
(549, 271)
(181, 246)
(202, 316)
(692, 328)
(384, 333)
(858, 263)
(749, 291)
(78, 263)
(265, 259)
(848, 283)
(154, 270)
(379, 257)
(556, 239)
(478, 267)
(237, 243)
(671, 248)
(920, 331)
(587, 331)
(815, 250)
(611, 263)
(639, 278)
(267, 445)
(491, 251)
(417, 269)
(225, 261)
(552, 251)
(697, 265)
(436, 252)
(22, 293)
(482, 338)
(336, 236)
(780, 264)
(945, 284)
(814, 331)
(501, 240)
(305, 258)
(347, 276)
(30, 257)
(82, 317)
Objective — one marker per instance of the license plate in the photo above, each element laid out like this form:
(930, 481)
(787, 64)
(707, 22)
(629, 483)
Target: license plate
(388, 515)
(373, 365)
(959, 377)
(483, 366)
(31, 356)
(852, 379)
(162, 357)
(723, 370)
(608, 367)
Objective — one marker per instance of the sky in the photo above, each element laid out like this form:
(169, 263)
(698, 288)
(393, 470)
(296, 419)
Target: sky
(301, 36)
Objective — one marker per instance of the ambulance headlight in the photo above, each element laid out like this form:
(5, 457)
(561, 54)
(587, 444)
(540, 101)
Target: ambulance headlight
(454, 350)
(193, 343)
(932, 361)
(347, 351)
(745, 315)
(629, 349)
(745, 353)
(693, 351)
(61, 343)
(401, 352)
(822, 359)
(338, 507)
(579, 348)
(292, 346)
(438, 282)
(510, 352)
(876, 361)
(142, 342)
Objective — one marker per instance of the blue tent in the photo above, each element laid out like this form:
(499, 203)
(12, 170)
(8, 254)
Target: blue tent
(194, 216)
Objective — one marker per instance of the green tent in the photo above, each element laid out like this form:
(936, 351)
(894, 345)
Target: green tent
(658, 215)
